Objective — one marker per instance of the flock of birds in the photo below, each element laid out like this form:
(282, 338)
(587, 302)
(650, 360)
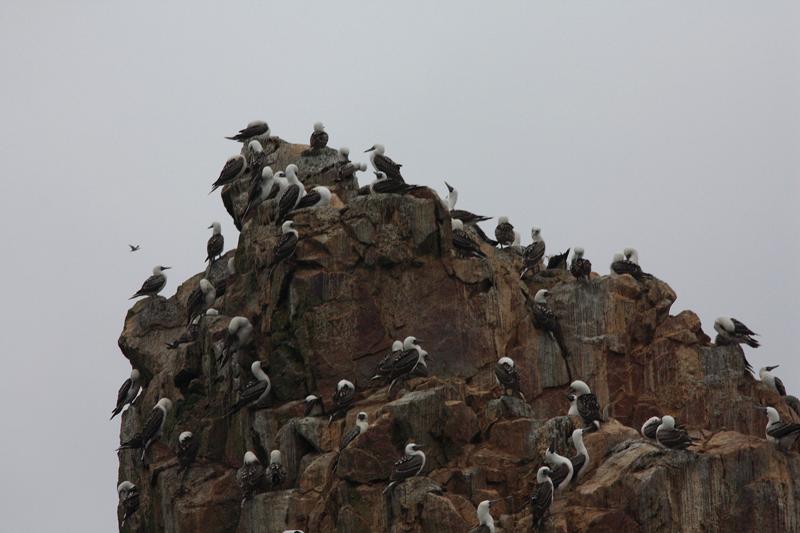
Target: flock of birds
(407, 358)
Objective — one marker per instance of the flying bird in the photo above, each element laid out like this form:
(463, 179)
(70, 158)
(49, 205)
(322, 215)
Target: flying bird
(533, 254)
(670, 436)
(276, 473)
(188, 446)
(128, 499)
(285, 247)
(781, 434)
(410, 465)
(151, 430)
(250, 476)
(585, 405)
(127, 392)
(216, 243)
(771, 380)
(234, 168)
(580, 463)
(154, 284)
(319, 139)
(257, 129)
(504, 232)
(542, 497)
(561, 468)
(579, 267)
(382, 163)
(313, 406)
(200, 300)
(256, 392)
(240, 333)
(462, 242)
(343, 398)
(505, 373)
(545, 319)
(134, 247)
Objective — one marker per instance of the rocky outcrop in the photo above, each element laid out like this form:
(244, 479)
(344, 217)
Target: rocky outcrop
(370, 269)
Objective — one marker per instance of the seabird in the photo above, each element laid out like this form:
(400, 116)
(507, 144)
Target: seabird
(128, 498)
(234, 168)
(581, 460)
(561, 468)
(620, 265)
(344, 154)
(223, 278)
(127, 392)
(313, 406)
(256, 129)
(504, 232)
(255, 392)
(240, 333)
(151, 429)
(485, 519)
(216, 243)
(385, 185)
(505, 373)
(533, 253)
(585, 405)
(782, 434)
(731, 331)
(291, 195)
(319, 139)
(342, 399)
(276, 473)
(134, 248)
(250, 476)
(542, 497)
(650, 426)
(771, 380)
(153, 284)
(463, 242)
(386, 365)
(672, 437)
(200, 299)
(382, 163)
(188, 447)
(260, 191)
(410, 465)
(256, 159)
(319, 196)
(192, 330)
(579, 267)
(285, 246)
(350, 435)
(464, 216)
(558, 261)
(347, 170)
(545, 319)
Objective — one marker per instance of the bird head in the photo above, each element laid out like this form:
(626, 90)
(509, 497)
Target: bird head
(541, 296)
(318, 127)
(344, 384)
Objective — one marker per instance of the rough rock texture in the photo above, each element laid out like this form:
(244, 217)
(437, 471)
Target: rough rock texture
(372, 269)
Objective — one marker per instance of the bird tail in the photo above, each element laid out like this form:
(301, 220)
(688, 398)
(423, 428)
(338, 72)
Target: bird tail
(115, 412)
(751, 342)
(213, 188)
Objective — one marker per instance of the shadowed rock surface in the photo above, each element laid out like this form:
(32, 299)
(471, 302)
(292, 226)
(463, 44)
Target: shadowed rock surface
(372, 269)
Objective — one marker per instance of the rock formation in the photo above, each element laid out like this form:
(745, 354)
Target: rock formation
(371, 269)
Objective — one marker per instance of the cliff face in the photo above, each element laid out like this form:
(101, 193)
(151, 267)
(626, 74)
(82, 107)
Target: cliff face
(372, 269)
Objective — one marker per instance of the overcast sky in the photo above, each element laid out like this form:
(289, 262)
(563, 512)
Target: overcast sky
(670, 127)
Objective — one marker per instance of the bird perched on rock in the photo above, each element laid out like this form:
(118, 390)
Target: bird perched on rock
(319, 139)
(240, 333)
(542, 497)
(291, 195)
(250, 476)
(257, 129)
(561, 468)
(505, 373)
(408, 466)
(319, 196)
(342, 399)
(257, 159)
(629, 265)
(188, 446)
(285, 247)
(650, 426)
(781, 434)
(256, 392)
(192, 330)
(585, 405)
(128, 499)
(216, 243)
(261, 190)
(468, 218)
(462, 242)
(386, 185)
(151, 430)
(350, 435)
(579, 267)
(504, 232)
(545, 319)
(771, 380)
(313, 406)
(200, 299)
(533, 254)
(382, 163)
(485, 519)
(127, 392)
(731, 331)
(276, 473)
(558, 261)
(234, 168)
(675, 438)
(385, 366)
(580, 462)
(153, 284)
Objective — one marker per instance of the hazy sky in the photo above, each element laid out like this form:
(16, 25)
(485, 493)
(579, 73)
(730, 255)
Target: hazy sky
(673, 127)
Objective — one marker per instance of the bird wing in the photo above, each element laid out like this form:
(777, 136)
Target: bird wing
(390, 186)
(740, 329)
(558, 261)
(249, 475)
(406, 467)
(308, 200)
(466, 217)
(289, 200)
(541, 500)
(122, 394)
(673, 438)
(779, 385)
(559, 474)
(348, 437)
(231, 169)
(319, 139)
(589, 407)
(534, 252)
(344, 397)
(782, 429)
(507, 376)
(309, 406)
(650, 429)
(463, 241)
(577, 463)
(385, 164)
(151, 425)
(404, 362)
(248, 132)
(194, 302)
(152, 284)
(215, 245)
(626, 267)
(284, 247)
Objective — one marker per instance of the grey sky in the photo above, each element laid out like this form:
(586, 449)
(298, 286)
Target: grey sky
(671, 127)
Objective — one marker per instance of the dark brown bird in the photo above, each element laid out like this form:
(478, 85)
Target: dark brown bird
(504, 232)
(216, 243)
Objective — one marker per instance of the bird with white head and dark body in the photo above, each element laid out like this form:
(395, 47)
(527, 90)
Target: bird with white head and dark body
(650, 427)
(731, 332)
(127, 392)
(250, 476)
(382, 163)
(290, 196)
(628, 263)
(235, 167)
(313, 406)
(285, 247)
(533, 254)
(410, 465)
(343, 398)
(385, 366)
(506, 375)
(154, 284)
(319, 139)
(782, 434)
(255, 393)
(200, 299)
(260, 191)
(257, 159)
(319, 196)
(462, 242)
(485, 518)
(671, 436)
(386, 185)
(128, 494)
(584, 404)
(504, 232)
(545, 319)
(192, 330)
(580, 462)
(187, 449)
(405, 363)
(222, 277)
(351, 434)
(580, 267)
(561, 470)
(771, 380)
(239, 334)
(257, 129)
(347, 170)
(216, 243)
(276, 473)
(542, 496)
(468, 218)
(151, 430)
(558, 261)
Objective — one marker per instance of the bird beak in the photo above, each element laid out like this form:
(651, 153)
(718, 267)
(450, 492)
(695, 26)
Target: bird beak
(211, 226)
(165, 268)
(369, 149)
(449, 188)
(771, 368)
